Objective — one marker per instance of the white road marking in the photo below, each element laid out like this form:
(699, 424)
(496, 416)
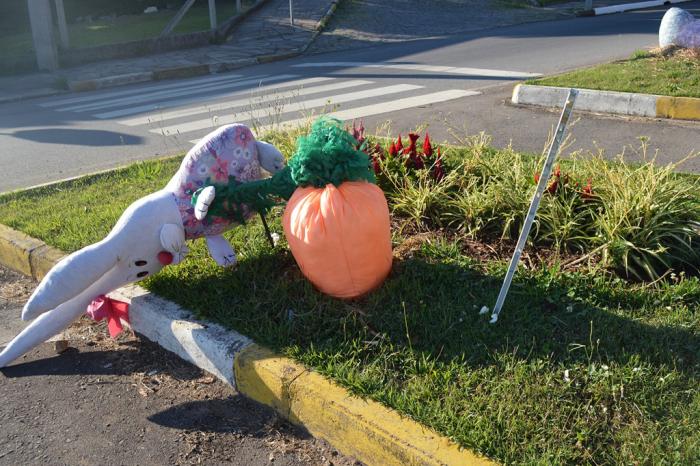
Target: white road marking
(377, 109)
(480, 72)
(173, 93)
(297, 106)
(93, 97)
(249, 100)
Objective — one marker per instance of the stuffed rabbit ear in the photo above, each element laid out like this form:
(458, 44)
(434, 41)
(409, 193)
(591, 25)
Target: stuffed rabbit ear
(70, 277)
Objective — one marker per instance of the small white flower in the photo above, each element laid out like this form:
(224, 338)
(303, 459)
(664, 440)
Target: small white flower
(569, 308)
(605, 367)
(566, 376)
(484, 310)
(636, 369)
(275, 238)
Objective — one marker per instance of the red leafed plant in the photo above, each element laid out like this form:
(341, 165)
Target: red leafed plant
(413, 159)
(560, 182)
(409, 158)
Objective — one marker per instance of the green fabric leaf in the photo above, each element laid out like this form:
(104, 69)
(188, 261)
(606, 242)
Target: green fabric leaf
(328, 156)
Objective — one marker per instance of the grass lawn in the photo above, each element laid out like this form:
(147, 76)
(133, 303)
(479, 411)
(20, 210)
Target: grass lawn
(126, 28)
(582, 367)
(676, 75)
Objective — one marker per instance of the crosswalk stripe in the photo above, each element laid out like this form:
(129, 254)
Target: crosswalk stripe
(108, 95)
(249, 100)
(187, 100)
(480, 72)
(375, 109)
(173, 93)
(297, 106)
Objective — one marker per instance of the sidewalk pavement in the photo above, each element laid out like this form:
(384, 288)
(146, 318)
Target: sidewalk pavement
(265, 35)
(128, 401)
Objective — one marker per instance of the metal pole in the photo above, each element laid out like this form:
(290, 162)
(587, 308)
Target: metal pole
(177, 18)
(238, 6)
(588, 5)
(62, 26)
(267, 230)
(291, 13)
(544, 179)
(212, 14)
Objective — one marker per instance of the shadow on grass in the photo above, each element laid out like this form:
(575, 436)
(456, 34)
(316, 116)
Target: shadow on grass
(430, 305)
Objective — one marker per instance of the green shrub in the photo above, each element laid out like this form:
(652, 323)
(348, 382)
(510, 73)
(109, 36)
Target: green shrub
(639, 220)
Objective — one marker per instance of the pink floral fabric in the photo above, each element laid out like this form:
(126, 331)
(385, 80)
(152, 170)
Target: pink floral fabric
(228, 151)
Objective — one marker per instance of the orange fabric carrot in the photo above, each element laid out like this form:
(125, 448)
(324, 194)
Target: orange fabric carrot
(336, 220)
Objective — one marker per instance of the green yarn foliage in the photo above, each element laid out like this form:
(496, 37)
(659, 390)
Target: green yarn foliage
(328, 156)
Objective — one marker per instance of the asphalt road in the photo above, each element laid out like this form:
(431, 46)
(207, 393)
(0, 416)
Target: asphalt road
(457, 83)
(130, 402)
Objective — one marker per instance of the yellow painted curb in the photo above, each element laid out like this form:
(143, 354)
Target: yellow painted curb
(26, 255)
(365, 429)
(682, 108)
(42, 259)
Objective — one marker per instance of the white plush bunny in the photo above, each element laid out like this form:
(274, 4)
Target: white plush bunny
(149, 235)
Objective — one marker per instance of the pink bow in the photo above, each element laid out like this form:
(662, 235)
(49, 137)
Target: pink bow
(104, 307)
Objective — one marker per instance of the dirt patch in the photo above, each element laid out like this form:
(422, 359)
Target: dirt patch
(484, 251)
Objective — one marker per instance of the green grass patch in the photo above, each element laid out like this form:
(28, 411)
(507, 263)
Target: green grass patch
(582, 367)
(675, 74)
(125, 28)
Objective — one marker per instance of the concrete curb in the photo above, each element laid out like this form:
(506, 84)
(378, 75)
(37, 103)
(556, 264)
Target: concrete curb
(606, 10)
(364, 429)
(32, 94)
(610, 102)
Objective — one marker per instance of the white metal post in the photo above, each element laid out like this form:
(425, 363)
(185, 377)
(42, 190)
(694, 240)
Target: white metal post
(212, 14)
(238, 6)
(291, 13)
(177, 18)
(41, 19)
(544, 179)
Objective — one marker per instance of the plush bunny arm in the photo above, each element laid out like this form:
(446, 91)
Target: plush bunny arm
(70, 277)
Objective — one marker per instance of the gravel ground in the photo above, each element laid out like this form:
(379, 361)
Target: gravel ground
(128, 401)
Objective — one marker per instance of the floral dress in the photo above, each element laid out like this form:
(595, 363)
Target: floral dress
(228, 151)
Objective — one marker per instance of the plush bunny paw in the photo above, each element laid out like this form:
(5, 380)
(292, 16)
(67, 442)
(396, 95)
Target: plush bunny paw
(221, 251)
(204, 200)
(228, 260)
